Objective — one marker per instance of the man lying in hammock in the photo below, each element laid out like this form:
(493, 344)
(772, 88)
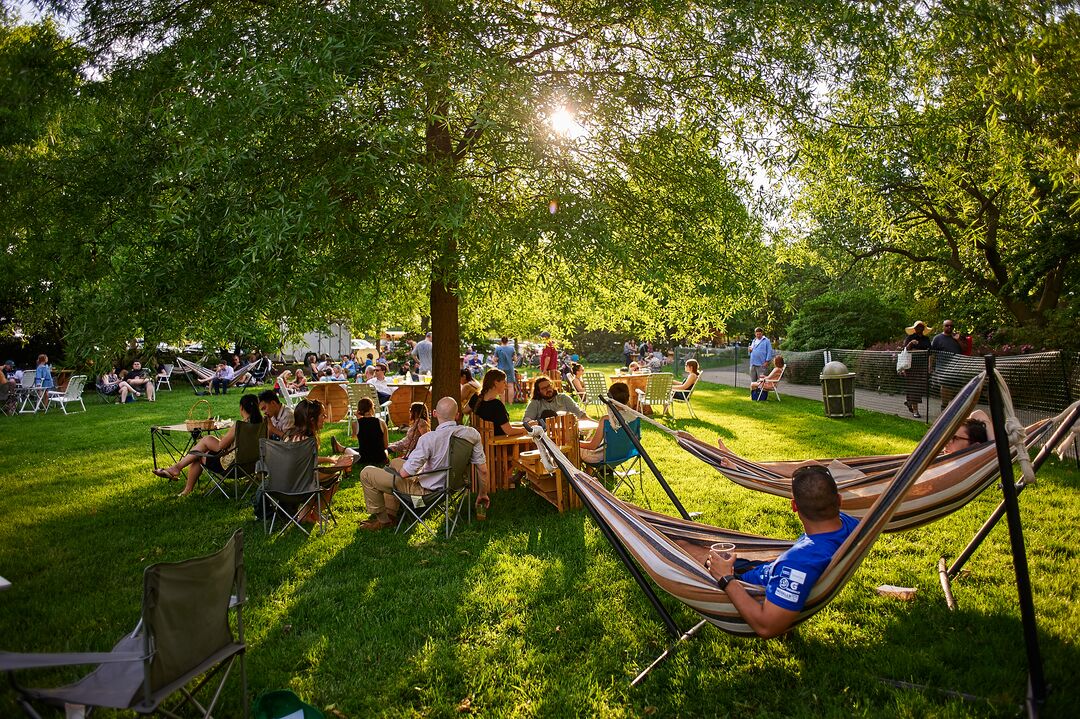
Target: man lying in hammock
(789, 578)
(975, 430)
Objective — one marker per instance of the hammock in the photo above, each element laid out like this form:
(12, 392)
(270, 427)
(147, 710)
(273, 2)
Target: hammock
(950, 481)
(664, 546)
(190, 368)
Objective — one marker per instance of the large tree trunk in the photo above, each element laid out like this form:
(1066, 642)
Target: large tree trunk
(445, 340)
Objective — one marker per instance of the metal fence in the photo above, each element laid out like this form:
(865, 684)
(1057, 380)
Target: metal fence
(1041, 384)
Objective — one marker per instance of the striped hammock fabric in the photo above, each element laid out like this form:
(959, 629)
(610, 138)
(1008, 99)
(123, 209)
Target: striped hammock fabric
(671, 550)
(949, 483)
(203, 373)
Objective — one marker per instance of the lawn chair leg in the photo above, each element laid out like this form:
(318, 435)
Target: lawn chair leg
(667, 652)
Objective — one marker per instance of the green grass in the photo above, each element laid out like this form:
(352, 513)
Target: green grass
(530, 613)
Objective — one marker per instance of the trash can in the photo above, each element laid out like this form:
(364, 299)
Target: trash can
(837, 390)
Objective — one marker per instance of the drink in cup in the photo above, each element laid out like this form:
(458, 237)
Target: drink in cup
(725, 549)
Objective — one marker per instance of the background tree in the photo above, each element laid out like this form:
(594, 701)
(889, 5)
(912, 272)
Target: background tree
(949, 152)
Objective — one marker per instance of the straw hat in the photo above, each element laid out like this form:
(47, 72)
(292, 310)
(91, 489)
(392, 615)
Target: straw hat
(916, 323)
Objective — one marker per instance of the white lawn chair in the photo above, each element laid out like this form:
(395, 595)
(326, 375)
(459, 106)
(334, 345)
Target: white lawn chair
(684, 395)
(27, 395)
(73, 393)
(165, 378)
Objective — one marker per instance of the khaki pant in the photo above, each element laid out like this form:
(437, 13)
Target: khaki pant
(379, 496)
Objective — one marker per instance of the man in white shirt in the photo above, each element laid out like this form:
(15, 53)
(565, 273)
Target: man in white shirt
(382, 389)
(432, 452)
(279, 416)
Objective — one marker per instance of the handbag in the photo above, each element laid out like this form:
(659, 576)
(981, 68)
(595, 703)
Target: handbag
(903, 360)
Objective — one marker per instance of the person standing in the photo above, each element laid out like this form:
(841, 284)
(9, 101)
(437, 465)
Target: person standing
(761, 353)
(918, 344)
(629, 351)
(504, 360)
(946, 340)
(422, 354)
(944, 344)
(549, 359)
(43, 373)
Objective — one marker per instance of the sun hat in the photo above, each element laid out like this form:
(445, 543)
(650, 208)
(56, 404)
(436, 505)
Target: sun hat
(916, 323)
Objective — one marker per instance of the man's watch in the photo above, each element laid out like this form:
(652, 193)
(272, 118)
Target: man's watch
(725, 580)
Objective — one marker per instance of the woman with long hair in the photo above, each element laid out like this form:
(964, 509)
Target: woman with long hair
(419, 425)
(491, 407)
(209, 451)
(693, 372)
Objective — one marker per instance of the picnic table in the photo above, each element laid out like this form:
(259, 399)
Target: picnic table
(634, 382)
(402, 398)
(334, 399)
(177, 439)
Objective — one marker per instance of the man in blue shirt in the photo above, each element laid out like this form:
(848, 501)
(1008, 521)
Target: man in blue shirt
(761, 352)
(504, 358)
(789, 579)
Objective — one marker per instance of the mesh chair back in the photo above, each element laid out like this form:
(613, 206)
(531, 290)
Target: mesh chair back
(595, 385)
(247, 442)
(658, 388)
(289, 466)
(617, 445)
(27, 379)
(75, 387)
(460, 453)
(186, 610)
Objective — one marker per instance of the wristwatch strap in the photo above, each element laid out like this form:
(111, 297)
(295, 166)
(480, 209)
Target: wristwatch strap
(725, 580)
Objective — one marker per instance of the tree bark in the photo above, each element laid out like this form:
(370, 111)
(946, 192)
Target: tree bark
(445, 340)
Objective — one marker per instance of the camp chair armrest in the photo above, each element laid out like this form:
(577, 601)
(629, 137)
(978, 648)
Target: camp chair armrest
(12, 661)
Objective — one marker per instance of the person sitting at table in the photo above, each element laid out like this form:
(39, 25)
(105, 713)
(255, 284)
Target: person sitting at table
(216, 447)
(693, 372)
(372, 436)
(43, 374)
(490, 406)
(279, 416)
(137, 378)
(634, 368)
(111, 384)
(470, 389)
(547, 402)
(419, 425)
(592, 449)
(8, 395)
(408, 371)
(768, 382)
(382, 387)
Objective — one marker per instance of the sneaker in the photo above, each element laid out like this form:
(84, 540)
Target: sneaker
(916, 414)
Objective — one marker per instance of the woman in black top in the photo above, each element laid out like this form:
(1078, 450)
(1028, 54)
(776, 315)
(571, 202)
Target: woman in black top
(492, 409)
(372, 435)
(915, 376)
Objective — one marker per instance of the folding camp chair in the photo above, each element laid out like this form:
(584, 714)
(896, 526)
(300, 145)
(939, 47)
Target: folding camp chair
(455, 494)
(242, 459)
(165, 377)
(291, 486)
(183, 636)
(595, 388)
(657, 393)
(72, 393)
(619, 450)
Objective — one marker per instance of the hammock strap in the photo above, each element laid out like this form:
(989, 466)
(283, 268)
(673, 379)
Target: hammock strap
(1016, 432)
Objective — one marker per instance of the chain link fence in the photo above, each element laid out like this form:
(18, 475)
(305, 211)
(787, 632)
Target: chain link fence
(1041, 384)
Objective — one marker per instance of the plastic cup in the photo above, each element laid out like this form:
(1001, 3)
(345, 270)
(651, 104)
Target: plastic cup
(724, 549)
(481, 512)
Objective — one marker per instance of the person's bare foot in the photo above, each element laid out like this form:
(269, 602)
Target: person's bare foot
(164, 473)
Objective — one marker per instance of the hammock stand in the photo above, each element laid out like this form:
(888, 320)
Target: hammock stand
(1036, 686)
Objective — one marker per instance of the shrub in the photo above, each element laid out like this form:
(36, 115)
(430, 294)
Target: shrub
(850, 320)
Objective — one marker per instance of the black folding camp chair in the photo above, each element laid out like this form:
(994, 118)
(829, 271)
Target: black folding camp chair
(239, 462)
(455, 494)
(180, 645)
(294, 487)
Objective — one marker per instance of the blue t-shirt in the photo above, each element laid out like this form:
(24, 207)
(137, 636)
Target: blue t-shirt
(761, 351)
(504, 355)
(789, 579)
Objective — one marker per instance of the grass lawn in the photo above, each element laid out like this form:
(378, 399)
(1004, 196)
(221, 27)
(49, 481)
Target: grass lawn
(530, 613)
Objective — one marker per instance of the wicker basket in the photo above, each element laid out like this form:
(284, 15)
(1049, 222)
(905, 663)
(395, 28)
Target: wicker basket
(191, 423)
